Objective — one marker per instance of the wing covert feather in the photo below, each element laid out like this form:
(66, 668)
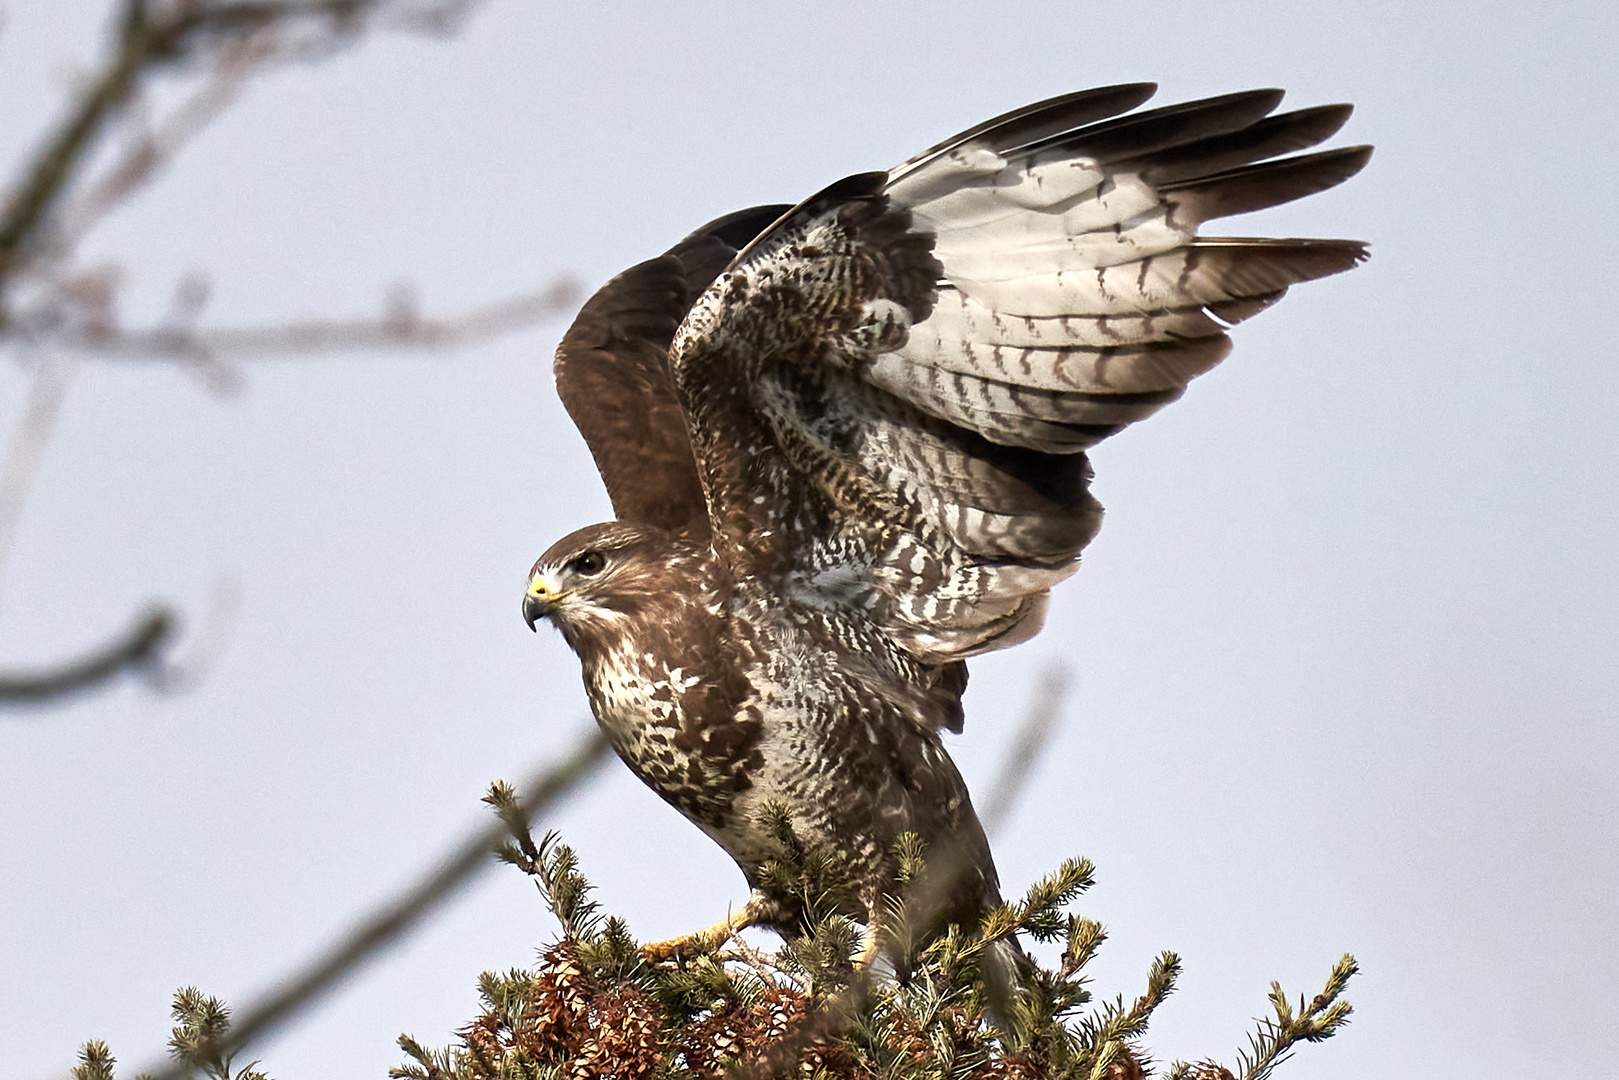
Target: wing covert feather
(612, 374)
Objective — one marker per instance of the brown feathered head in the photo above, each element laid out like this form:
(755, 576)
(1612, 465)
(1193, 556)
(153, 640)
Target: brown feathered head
(595, 582)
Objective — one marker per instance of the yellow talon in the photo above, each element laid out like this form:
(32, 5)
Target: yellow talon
(710, 938)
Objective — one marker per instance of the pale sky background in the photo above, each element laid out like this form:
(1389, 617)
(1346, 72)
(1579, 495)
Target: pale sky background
(1346, 652)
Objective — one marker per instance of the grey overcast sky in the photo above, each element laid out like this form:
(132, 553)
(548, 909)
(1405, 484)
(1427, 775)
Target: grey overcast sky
(1346, 652)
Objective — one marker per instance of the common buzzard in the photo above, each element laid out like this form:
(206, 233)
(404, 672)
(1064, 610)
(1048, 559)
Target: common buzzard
(845, 441)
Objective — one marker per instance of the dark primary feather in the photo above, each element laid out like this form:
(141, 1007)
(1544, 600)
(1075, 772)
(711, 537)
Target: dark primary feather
(612, 373)
(1163, 128)
(1282, 133)
(1040, 120)
(1256, 187)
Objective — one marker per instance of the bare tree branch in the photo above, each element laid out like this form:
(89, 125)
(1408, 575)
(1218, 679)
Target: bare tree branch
(66, 312)
(150, 35)
(399, 325)
(137, 647)
(45, 179)
(153, 146)
(402, 914)
(1039, 723)
(46, 391)
(178, 671)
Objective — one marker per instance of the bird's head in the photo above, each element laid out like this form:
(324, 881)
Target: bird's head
(593, 580)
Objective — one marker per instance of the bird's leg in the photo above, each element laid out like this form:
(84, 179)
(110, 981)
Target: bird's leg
(712, 937)
(871, 944)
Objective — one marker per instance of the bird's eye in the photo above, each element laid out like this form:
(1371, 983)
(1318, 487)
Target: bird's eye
(590, 563)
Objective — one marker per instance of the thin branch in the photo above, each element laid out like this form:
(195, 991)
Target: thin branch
(400, 325)
(134, 649)
(153, 147)
(144, 41)
(52, 377)
(1039, 723)
(46, 178)
(177, 673)
(403, 913)
(763, 964)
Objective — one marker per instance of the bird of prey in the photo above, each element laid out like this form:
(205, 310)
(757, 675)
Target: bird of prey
(845, 444)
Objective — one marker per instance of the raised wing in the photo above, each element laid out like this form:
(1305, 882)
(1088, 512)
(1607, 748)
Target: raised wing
(890, 391)
(612, 373)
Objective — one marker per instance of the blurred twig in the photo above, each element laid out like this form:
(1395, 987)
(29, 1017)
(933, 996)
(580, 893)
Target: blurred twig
(137, 647)
(148, 147)
(62, 312)
(1039, 723)
(403, 913)
(149, 35)
(401, 324)
(52, 377)
(175, 672)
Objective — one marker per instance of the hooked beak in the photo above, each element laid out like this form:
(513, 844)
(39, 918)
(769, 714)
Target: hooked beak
(539, 601)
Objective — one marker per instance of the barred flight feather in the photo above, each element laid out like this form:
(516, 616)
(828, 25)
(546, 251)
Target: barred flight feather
(1158, 362)
(961, 325)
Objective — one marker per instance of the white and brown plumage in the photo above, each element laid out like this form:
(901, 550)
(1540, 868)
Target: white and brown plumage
(845, 444)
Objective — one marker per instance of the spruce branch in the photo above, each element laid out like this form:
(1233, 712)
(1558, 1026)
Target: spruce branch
(743, 1013)
(595, 1006)
(95, 1062)
(1041, 911)
(1315, 1021)
(1085, 936)
(427, 1064)
(201, 1034)
(1107, 1038)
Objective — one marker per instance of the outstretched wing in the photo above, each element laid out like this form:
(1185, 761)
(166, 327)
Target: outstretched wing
(612, 373)
(890, 391)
